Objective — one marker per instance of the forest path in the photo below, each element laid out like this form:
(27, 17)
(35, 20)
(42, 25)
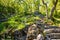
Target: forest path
(50, 30)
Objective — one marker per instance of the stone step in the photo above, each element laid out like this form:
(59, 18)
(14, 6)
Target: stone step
(49, 27)
(54, 35)
(55, 39)
(52, 30)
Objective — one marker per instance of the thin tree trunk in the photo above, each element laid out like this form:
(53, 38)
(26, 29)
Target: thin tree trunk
(38, 5)
(53, 8)
(46, 8)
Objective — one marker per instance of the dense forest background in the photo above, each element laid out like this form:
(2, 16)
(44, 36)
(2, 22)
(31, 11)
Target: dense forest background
(17, 14)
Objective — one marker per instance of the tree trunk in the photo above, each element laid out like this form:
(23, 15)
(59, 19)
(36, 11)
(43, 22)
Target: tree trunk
(46, 8)
(52, 10)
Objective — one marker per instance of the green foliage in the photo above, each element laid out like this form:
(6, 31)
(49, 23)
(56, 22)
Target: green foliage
(20, 13)
(1, 27)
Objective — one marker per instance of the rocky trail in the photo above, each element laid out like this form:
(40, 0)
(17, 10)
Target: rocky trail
(52, 32)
